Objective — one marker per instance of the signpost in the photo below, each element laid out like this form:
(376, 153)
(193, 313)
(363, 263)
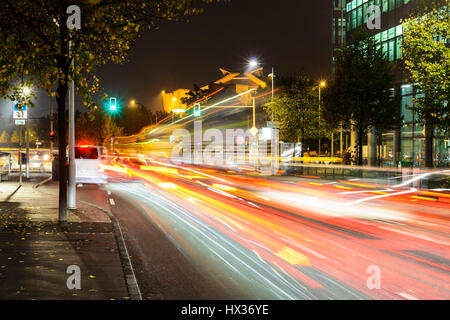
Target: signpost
(20, 115)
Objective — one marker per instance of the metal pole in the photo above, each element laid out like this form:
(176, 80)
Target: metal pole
(273, 76)
(319, 120)
(71, 204)
(51, 126)
(20, 155)
(254, 114)
(28, 150)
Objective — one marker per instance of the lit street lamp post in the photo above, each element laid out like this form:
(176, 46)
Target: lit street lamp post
(320, 86)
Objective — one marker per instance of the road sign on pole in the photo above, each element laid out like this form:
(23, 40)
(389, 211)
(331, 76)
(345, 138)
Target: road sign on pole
(20, 122)
(19, 113)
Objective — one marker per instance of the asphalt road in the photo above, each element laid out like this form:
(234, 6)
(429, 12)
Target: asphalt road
(205, 234)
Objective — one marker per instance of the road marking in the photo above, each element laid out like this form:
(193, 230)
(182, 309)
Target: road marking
(111, 201)
(407, 296)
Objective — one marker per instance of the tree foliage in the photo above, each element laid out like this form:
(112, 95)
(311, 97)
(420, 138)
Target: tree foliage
(196, 94)
(35, 39)
(362, 91)
(5, 137)
(97, 128)
(296, 108)
(426, 54)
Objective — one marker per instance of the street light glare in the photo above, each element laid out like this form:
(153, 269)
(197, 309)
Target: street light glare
(253, 63)
(26, 91)
(323, 84)
(133, 102)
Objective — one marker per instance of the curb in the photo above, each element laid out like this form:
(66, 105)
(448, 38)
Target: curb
(37, 185)
(127, 266)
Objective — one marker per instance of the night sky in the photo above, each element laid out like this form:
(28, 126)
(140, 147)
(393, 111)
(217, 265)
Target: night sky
(292, 35)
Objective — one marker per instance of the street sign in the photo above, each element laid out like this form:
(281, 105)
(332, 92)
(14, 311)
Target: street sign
(18, 113)
(273, 124)
(254, 131)
(20, 122)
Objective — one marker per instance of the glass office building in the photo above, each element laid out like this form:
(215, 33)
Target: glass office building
(408, 143)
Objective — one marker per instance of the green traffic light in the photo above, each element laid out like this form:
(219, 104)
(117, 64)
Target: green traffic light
(112, 104)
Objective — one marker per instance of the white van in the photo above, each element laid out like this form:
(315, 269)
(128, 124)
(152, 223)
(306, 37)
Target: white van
(87, 161)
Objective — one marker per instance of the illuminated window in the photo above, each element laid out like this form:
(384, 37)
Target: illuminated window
(385, 5)
(399, 51)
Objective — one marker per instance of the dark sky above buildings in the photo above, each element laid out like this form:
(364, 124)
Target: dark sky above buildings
(292, 35)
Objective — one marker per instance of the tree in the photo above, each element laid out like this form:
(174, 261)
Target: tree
(109, 130)
(96, 127)
(15, 138)
(5, 137)
(296, 108)
(196, 94)
(38, 48)
(426, 54)
(361, 94)
(133, 119)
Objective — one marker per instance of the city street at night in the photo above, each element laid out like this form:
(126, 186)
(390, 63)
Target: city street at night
(248, 237)
(225, 159)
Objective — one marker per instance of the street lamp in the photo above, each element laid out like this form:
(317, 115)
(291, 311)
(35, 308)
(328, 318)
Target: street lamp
(321, 85)
(26, 91)
(134, 103)
(253, 63)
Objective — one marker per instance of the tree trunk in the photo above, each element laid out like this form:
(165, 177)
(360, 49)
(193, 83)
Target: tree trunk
(429, 129)
(62, 145)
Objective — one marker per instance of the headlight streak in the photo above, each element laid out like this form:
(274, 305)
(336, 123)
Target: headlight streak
(380, 196)
(193, 223)
(257, 226)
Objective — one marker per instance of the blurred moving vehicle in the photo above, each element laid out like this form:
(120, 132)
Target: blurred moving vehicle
(5, 165)
(87, 161)
(39, 160)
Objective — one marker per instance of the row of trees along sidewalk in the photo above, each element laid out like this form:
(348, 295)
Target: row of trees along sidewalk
(361, 94)
(35, 51)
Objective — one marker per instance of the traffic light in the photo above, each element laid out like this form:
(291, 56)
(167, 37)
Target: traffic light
(112, 104)
(197, 111)
(52, 136)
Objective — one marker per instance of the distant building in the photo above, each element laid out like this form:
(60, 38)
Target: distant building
(408, 143)
(235, 82)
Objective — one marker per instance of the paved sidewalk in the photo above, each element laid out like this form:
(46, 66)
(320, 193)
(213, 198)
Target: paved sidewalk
(35, 251)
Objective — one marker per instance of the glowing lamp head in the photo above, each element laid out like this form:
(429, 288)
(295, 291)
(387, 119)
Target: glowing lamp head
(253, 63)
(323, 84)
(26, 91)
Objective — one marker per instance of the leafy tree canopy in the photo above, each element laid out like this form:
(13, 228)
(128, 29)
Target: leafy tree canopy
(426, 54)
(295, 106)
(362, 91)
(35, 40)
